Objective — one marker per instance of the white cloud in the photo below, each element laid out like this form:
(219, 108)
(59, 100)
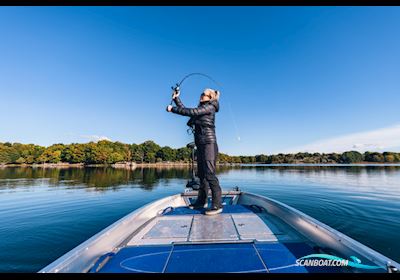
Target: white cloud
(375, 140)
(96, 138)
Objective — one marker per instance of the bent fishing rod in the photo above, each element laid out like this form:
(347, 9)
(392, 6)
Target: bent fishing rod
(177, 86)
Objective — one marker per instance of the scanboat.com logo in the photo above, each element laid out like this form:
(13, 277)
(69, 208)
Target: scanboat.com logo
(329, 260)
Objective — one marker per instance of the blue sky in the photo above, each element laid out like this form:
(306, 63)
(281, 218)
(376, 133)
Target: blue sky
(292, 78)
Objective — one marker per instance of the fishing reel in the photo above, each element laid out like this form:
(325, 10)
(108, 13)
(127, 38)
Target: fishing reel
(176, 87)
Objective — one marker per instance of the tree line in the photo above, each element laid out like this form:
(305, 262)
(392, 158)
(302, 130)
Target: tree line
(108, 152)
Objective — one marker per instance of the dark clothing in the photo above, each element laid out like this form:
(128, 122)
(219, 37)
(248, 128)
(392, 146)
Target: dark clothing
(203, 119)
(206, 162)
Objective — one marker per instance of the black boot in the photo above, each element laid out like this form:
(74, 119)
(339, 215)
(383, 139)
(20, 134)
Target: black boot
(202, 196)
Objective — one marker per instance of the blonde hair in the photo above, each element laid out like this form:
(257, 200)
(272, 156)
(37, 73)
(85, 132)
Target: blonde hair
(214, 94)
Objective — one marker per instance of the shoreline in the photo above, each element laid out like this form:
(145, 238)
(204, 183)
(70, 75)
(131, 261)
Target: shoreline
(127, 165)
(133, 165)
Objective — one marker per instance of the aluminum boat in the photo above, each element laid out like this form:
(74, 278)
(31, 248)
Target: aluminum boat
(253, 234)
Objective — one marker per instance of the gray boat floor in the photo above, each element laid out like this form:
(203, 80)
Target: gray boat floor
(187, 241)
(237, 223)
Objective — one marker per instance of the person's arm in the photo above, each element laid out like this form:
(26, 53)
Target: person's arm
(178, 102)
(176, 99)
(191, 112)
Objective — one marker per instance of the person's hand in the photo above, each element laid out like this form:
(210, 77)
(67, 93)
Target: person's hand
(175, 93)
(169, 108)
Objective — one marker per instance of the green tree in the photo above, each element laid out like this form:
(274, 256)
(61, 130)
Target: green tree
(150, 157)
(150, 149)
(137, 153)
(115, 157)
(73, 153)
(183, 154)
(373, 157)
(334, 157)
(50, 156)
(123, 150)
(351, 157)
(166, 154)
(4, 154)
(93, 154)
(263, 158)
(389, 157)
(20, 160)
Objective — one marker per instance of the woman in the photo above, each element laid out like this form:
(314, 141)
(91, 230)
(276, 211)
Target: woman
(203, 119)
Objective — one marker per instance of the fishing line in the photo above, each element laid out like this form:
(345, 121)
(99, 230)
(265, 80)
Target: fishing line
(234, 121)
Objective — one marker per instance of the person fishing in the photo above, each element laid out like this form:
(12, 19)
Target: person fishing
(203, 120)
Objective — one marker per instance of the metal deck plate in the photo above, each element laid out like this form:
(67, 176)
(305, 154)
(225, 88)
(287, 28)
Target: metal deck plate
(170, 228)
(213, 228)
(239, 225)
(164, 230)
(250, 226)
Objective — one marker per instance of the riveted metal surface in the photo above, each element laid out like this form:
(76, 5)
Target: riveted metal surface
(250, 226)
(210, 228)
(170, 228)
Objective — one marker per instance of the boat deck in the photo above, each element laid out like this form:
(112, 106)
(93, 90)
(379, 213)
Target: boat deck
(242, 238)
(252, 234)
(236, 223)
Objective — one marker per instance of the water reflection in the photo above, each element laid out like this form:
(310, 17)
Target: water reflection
(97, 178)
(328, 175)
(47, 212)
(148, 178)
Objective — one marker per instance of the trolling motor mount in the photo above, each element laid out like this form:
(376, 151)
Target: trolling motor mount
(192, 183)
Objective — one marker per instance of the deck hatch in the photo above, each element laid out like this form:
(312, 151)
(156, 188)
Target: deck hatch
(170, 228)
(213, 228)
(253, 227)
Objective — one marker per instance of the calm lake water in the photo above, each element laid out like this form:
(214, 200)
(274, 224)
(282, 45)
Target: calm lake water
(44, 213)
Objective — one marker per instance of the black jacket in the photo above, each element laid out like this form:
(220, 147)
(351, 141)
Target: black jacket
(203, 119)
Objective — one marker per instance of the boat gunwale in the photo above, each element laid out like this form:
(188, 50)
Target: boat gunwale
(340, 237)
(68, 258)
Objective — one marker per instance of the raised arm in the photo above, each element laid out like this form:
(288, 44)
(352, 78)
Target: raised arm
(178, 102)
(191, 112)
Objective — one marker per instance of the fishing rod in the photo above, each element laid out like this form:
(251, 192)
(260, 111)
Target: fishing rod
(178, 85)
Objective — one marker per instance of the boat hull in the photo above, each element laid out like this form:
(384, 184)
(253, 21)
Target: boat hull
(168, 222)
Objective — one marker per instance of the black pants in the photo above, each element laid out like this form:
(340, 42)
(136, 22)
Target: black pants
(206, 164)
